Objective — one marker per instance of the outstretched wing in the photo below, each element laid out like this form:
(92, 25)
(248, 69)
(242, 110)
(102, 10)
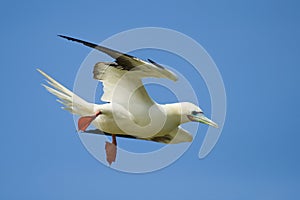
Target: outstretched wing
(130, 63)
(122, 78)
(176, 136)
(121, 86)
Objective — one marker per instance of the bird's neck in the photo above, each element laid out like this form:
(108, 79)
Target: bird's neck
(174, 111)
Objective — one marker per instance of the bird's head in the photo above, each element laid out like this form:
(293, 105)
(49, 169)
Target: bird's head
(191, 112)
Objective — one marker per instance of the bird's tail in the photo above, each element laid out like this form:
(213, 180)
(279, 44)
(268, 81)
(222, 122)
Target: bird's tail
(71, 102)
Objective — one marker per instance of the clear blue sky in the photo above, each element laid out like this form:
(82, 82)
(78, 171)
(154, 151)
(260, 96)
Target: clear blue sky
(256, 46)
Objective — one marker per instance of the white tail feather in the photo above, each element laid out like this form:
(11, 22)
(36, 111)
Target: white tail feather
(71, 101)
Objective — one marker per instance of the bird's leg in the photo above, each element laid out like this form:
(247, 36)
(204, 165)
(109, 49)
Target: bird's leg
(114, 139)
(85, 121)
(111, 150)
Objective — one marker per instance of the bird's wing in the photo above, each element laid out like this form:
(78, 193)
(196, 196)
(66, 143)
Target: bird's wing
(121, 86)
(130, 63)
(176, 136)
(122, 78)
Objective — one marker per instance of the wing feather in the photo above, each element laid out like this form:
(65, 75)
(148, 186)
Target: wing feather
(121, 86)
(129, 63)
(122, 79)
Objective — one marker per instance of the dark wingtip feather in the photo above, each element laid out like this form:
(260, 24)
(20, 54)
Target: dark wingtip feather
(70, 38)
(63, 36)
(79, 41)
(156, 64)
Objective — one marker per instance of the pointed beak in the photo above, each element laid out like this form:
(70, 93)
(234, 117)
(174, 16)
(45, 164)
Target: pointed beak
(199, 117)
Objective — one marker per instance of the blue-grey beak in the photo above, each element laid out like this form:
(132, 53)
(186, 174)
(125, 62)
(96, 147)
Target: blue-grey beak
(199, 117)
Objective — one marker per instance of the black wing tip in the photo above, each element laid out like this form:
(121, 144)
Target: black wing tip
(155, 63)
(67, 37)
(112, 53)
(150, 60)
(62, 36)
(79, 41)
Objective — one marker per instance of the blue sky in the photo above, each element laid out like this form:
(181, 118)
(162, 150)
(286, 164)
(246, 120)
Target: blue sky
(256, 46)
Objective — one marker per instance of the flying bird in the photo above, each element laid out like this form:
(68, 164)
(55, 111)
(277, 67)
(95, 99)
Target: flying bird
(129, 111)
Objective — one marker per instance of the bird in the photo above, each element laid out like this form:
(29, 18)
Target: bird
(128, 110)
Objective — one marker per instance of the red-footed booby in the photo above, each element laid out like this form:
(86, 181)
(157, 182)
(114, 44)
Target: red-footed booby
(129, 111)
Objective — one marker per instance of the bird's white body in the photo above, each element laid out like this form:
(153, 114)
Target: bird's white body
(160, 121)
(155, 122)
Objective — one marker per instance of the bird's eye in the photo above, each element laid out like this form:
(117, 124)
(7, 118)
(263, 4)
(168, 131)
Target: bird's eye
(196, 112)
